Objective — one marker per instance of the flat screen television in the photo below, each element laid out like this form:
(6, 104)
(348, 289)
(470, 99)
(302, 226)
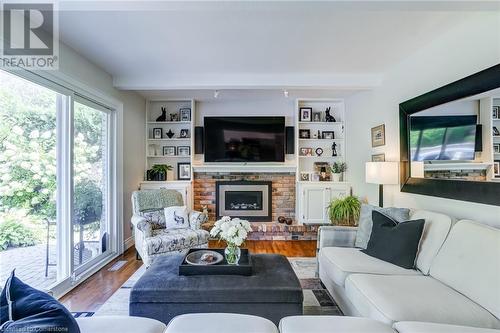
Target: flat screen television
(442, 138)
(244, 139)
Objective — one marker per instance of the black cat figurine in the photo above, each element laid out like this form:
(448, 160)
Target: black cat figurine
(163, 116)
(329, 118)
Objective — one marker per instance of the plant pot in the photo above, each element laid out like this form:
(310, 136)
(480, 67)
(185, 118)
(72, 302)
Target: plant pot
(336, 177)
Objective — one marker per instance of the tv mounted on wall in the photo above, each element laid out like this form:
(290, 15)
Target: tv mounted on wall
(244, 139)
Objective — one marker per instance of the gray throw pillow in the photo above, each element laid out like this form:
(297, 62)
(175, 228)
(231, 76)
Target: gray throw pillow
(365, 221)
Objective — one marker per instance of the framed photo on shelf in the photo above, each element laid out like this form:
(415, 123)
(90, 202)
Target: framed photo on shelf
(316, 116)
(157, 133)
(304, 134)
(305, 114)
(306, 152)
(329, 135)
(496, 148)
(378, 136)
(184, 133)
(185, 114)
(168, 150)
(495, 131)
(496, 112)
(378, 158)
(184, 171)
(496, 168)
(305, 176)
(315, 176)
(183, 151)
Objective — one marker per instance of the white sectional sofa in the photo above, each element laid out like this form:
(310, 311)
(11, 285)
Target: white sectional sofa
(457, 280)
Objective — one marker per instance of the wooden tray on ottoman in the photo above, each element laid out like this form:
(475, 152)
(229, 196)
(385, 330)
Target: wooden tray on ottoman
(244, 266)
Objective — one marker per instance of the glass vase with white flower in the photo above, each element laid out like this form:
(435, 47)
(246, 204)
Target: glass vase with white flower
(233, 232)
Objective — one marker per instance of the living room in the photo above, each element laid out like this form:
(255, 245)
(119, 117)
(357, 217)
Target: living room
(222, 166)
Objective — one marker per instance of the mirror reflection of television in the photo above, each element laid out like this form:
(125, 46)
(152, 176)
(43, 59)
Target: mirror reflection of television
(244, 139)
(442, 138)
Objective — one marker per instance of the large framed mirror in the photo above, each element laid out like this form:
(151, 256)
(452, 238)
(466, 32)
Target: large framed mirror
(450, 140)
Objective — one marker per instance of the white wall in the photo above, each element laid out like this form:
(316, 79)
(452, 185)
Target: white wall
(80, 69)
(468, 48)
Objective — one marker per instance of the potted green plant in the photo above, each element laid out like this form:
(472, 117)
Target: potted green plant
(344, 211)
(162, 172)
(338, 169)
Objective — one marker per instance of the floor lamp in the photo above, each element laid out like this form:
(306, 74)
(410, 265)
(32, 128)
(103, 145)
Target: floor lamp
(382, 173)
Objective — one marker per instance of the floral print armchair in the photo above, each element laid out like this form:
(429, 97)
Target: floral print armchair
(152, 238)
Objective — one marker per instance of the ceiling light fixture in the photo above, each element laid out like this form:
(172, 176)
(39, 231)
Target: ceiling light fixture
(285, 92)
(216, 94)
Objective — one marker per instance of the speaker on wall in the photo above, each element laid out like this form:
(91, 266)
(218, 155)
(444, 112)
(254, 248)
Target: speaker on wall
(198, 140)
(479, 138)
(290, 139)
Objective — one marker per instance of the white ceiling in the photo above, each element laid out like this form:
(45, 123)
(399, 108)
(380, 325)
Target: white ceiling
(252, 45)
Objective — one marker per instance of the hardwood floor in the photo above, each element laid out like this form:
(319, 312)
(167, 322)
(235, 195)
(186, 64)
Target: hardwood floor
(92, 293)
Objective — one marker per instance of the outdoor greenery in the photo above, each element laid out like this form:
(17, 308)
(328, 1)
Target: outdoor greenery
(345, 211)
(28, 159)
(15, 233)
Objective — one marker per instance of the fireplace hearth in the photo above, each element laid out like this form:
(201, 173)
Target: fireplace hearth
(249, 200)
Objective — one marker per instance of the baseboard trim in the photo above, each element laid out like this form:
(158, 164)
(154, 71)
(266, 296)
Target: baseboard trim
(129, 242)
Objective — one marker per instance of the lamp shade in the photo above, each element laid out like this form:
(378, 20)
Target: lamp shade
(384, 173)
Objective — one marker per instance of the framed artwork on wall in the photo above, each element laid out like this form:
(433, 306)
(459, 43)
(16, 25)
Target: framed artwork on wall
(378, 136)
(378, 158)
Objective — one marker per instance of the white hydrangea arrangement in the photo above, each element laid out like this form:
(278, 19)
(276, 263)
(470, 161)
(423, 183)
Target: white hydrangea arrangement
(233, 231)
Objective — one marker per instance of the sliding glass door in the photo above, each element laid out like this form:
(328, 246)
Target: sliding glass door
(91, 155)
(56, 182)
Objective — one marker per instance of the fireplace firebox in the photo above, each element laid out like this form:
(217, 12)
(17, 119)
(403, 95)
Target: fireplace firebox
(249, 200)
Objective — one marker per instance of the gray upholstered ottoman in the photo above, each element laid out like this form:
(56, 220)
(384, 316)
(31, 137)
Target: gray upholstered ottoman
(272, 292)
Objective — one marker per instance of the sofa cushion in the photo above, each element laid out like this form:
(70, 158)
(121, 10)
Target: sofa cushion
(331, 324)
(414, 298)
(220, 323)
(469, 262)
(436, 229)
(365, 221)
(120, 324)
(419, 327)
(394, 242)
(168, 240)
(340, 262)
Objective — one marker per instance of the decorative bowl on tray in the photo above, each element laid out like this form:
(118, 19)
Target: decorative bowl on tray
(204, 257)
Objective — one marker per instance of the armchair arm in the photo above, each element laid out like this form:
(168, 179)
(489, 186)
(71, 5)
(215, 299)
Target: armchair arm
(140, 223)
(336, 236)
(196, 219)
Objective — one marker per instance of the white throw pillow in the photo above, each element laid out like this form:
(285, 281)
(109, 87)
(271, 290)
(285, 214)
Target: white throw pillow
(176, 217)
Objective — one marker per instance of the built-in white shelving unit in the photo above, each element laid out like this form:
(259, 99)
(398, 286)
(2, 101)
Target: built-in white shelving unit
(306, 164)
(155, 145)
(314, 196)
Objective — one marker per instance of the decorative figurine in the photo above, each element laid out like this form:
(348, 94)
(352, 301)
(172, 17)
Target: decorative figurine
(319, 151)
(334, 149)
(163, 116)
(170, 134)
(288, 221)
(174, 117)
(328, 117)
(281, 219)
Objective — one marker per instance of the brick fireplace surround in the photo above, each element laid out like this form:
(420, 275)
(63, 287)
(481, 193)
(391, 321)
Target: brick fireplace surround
(283, 190)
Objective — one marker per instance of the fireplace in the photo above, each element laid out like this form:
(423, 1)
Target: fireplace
(248, 200)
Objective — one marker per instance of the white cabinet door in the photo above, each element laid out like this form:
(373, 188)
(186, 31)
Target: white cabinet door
(314, 201)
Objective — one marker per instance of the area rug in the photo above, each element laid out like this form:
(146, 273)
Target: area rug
(317, 300)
